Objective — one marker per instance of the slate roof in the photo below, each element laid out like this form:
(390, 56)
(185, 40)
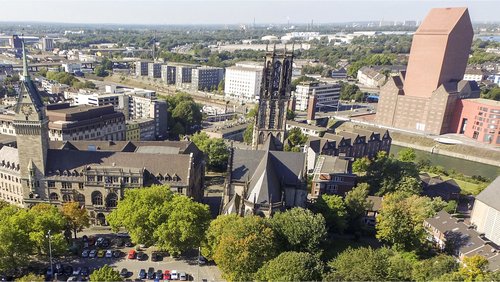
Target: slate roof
(27, 86)
(491, 195)
(267, 172)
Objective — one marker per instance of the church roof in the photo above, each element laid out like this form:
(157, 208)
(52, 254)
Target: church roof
(267, 172)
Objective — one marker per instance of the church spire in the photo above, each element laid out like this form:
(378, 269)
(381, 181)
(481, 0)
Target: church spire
(26, 75)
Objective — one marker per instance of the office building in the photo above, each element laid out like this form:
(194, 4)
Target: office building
(154, 70)
(168, 73)
(425, 98)
(479, 119)
(206, 78)
(243, 82)
(141, 68)
(47, 44)
(327, 95)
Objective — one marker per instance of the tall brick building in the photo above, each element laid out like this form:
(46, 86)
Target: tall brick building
(425, 98)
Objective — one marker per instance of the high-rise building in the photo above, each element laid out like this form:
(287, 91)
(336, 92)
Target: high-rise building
(168, 74)
(154, 70)
(47, 44)
(184, 74)
(206, 78)
(327, 95)
(243, 82)
(425, 98)
(141, 68)
(270, 121)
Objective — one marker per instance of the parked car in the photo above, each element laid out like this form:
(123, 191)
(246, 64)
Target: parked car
(155, 256)
(151, 273)
(77, 271)
(182, 276)
(202, 260)
(85, 253)
(132, 254)
(124, 272)
(129, 244)
(109, 254)
(141, 256)
(142, 274)
(85, 271)
(92, 253)
(72, 278)
(166, 275)
(117, 254)
(100, 253)
(174, 275)
(67, 270)
(159, 275)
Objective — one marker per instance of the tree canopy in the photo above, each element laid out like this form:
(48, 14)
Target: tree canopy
(291, 266)
(216, 151)
(106, 274)
(76, 216)
(333, 209)
(183, 112)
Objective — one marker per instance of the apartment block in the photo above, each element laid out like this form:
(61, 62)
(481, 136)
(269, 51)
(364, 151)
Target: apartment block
(206, 78)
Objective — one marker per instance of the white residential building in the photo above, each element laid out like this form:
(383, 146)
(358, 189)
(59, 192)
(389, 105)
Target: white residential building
(243, 82)
(370, 77)
(473, 74)
(486, 212)
(72, 67)
(327, 95)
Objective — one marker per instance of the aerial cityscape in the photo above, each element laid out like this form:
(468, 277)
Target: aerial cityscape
(249, 140)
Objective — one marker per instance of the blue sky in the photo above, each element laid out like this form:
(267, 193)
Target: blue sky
(231, 12)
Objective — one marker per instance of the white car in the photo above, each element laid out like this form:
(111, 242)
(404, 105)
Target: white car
(109, 254)
(85, 253)
(182, 276)
(77, 270)
(92, 253)
(174, 275)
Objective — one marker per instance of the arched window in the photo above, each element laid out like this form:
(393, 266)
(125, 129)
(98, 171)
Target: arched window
(80, 198)
(54, 197)
(66, 198)
(111, 200)
(97, 198)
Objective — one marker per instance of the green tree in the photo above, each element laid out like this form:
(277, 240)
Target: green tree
(31, 277)
(248, 134)
(244, 247)
(45, 217)
(141, 212)
(185, 227)
(214, 234)
(220, 87)
(15, 243)
(474, 268)
(299, 230)
(349, 91)
(409, 185)
(333, 209)
(290, 115)
(451, 207)
(361, 264)
(400, 221)
(105, 273)
(76, 216)
(101, 71)
(291, 266)
(407, 155)
(296, 138)
(252, 113)
(361, 165)
(434, 268)
(356, 203)
(216, 151)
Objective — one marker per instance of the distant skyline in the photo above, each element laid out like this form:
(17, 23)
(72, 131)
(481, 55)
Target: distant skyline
(231, 12)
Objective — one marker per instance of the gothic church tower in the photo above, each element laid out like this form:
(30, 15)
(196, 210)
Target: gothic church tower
(31, 125)
(274, 95)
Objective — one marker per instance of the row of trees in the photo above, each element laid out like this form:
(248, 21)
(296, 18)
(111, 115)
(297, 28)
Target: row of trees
(66, 78)
(23, 232)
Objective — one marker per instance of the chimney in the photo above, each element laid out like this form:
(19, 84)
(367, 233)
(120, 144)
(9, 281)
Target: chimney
(311, 108)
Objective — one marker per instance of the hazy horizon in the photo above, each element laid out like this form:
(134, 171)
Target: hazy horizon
(134, 12)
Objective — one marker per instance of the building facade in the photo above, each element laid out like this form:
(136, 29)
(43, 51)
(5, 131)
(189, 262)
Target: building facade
(243, 82)
(486, 212)
(154, 70)
(168, 74)
(141, 68)
(327, 95)
(206, 78)
(47, 44)
(480, 120)
(184, 74)
(332, 176)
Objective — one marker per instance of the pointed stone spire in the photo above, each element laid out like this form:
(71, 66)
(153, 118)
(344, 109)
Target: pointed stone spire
(26, 75)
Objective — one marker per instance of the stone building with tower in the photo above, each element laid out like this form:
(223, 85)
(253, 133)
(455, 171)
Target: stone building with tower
(94, 173)
(425, 98)
(265, 180)
(273, 99)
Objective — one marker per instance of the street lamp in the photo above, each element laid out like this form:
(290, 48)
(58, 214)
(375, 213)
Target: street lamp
(198, 261)
(50, 254)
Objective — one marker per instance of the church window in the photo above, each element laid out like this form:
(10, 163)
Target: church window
(111, 200)
(54, 197)
(97, 198)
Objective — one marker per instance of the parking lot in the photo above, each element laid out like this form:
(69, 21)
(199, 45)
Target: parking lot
(186, 263)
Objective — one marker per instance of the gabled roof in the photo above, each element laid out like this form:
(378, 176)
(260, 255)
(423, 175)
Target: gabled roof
(265, 186)
(491, 195)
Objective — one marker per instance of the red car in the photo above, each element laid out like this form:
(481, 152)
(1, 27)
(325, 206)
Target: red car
(131, 254)
(166, 275)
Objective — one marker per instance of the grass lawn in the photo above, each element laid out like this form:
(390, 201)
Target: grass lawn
(467, 188)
